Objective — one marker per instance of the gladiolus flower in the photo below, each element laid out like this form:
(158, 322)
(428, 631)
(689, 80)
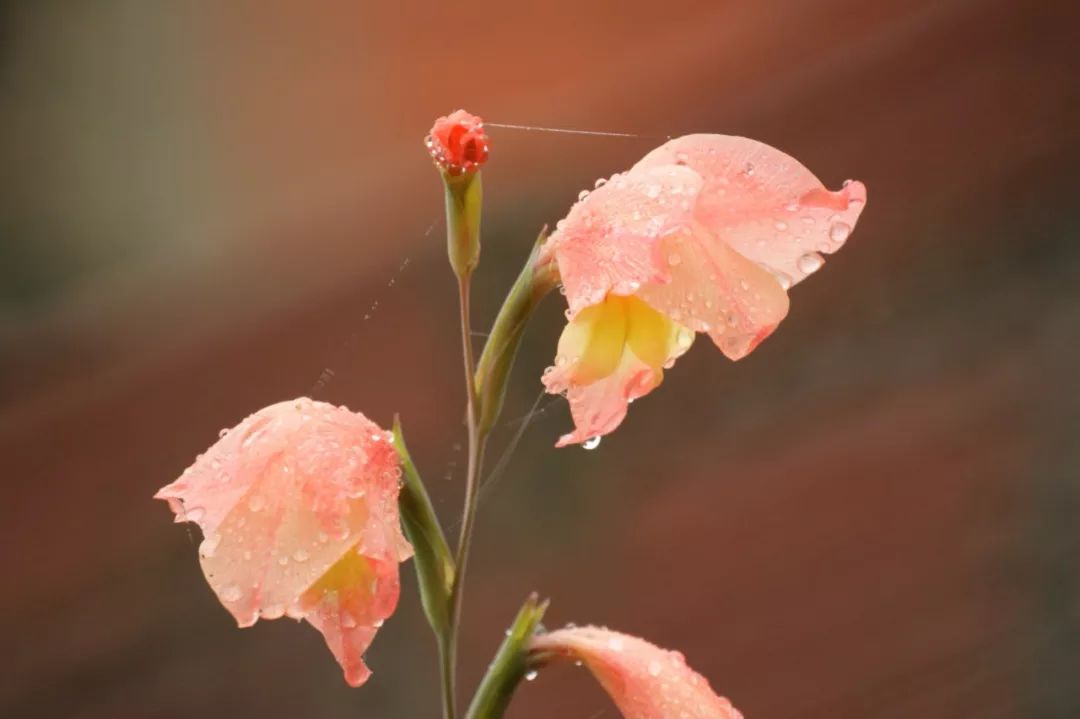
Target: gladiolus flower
(458, 143)
(705, 234)
(298, 510)
(645, 681)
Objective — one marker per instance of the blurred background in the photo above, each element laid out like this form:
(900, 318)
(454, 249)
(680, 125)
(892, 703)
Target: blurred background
(209, 207)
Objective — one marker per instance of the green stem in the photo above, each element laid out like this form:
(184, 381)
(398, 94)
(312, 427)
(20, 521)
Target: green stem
(476, 442)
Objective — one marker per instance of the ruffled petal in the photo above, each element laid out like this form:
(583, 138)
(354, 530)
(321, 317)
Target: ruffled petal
(764, 203)
(283, 497)
(348, 605)
(645, 681)
(609, 355)
(609, 240)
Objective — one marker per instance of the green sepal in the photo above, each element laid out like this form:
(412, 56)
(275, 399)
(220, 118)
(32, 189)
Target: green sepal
(510, 664)
(431, 554)
(493, 370)
(464, 201)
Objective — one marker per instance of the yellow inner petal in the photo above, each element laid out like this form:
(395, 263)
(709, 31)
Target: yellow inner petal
(350, 577)
(595, 341)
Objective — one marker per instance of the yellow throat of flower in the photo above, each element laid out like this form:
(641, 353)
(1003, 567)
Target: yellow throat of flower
(607, 335)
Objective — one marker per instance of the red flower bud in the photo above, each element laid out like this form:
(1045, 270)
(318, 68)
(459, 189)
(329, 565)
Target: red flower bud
(458, 143)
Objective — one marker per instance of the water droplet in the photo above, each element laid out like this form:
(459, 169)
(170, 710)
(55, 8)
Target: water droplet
(674, 259)
(323, 537)
(810, 262)
(591, 443)
(530, 675)
(300, 555)
(232, 594)
(347, 620)
(744, 285)
(256, 503)
(654, 668)
(283, 560)
(652, 191)
(600, 182)
(681, 158)
(784, 279)
(194, 514)
(684, 337)
(615, 644)
(210, 545)
(582, 195)
(749, 169)
(223, 431)
(839, 232)
(781, 226)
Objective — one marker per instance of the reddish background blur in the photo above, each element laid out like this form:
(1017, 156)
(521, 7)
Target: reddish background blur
(206, 206)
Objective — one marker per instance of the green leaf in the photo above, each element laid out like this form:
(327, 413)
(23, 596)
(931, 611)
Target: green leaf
(432, 559)
(509, 666)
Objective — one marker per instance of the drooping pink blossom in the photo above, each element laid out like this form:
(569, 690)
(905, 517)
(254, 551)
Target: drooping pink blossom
(298, 510)
(706, 233)
(458, 143)
(645, 681)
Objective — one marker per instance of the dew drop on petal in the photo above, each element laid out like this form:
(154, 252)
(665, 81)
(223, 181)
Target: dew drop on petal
(674, 259)
(655, 668)
(300, 555)
(210, 545)
(781, 226)
(232, 594)
(810, 262)
(256, 503)
(839, 232)
(591, 443)
(530, 675)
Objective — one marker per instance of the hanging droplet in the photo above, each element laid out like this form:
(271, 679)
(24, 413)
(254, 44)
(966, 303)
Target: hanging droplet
(591, 443)
(810, 262)
(530, 675)
(232, 594)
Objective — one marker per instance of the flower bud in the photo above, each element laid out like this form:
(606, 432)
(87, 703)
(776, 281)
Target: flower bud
(457, 143)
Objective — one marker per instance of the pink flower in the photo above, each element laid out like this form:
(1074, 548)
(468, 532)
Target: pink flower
(705, 234)
(298, 510)
(458, 143)
(645, 681)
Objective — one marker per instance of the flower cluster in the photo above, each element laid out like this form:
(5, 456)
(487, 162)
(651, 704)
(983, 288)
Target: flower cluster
(303, 504)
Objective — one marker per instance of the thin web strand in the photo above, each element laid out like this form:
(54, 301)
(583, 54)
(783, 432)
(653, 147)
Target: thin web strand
(568, 131)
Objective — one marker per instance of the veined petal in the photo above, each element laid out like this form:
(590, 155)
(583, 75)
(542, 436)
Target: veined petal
(762, 202)
(608, 242)
(645, 681)
(282, 498)
(716, 290)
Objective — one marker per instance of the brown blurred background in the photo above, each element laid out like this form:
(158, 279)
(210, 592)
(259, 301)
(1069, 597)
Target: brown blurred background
(207, 207)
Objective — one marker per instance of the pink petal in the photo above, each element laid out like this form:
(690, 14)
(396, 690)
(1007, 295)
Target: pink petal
(609, 240)
(714, 289)
(283, 497)
(762, 202)
(600, 407)
(645, 681)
